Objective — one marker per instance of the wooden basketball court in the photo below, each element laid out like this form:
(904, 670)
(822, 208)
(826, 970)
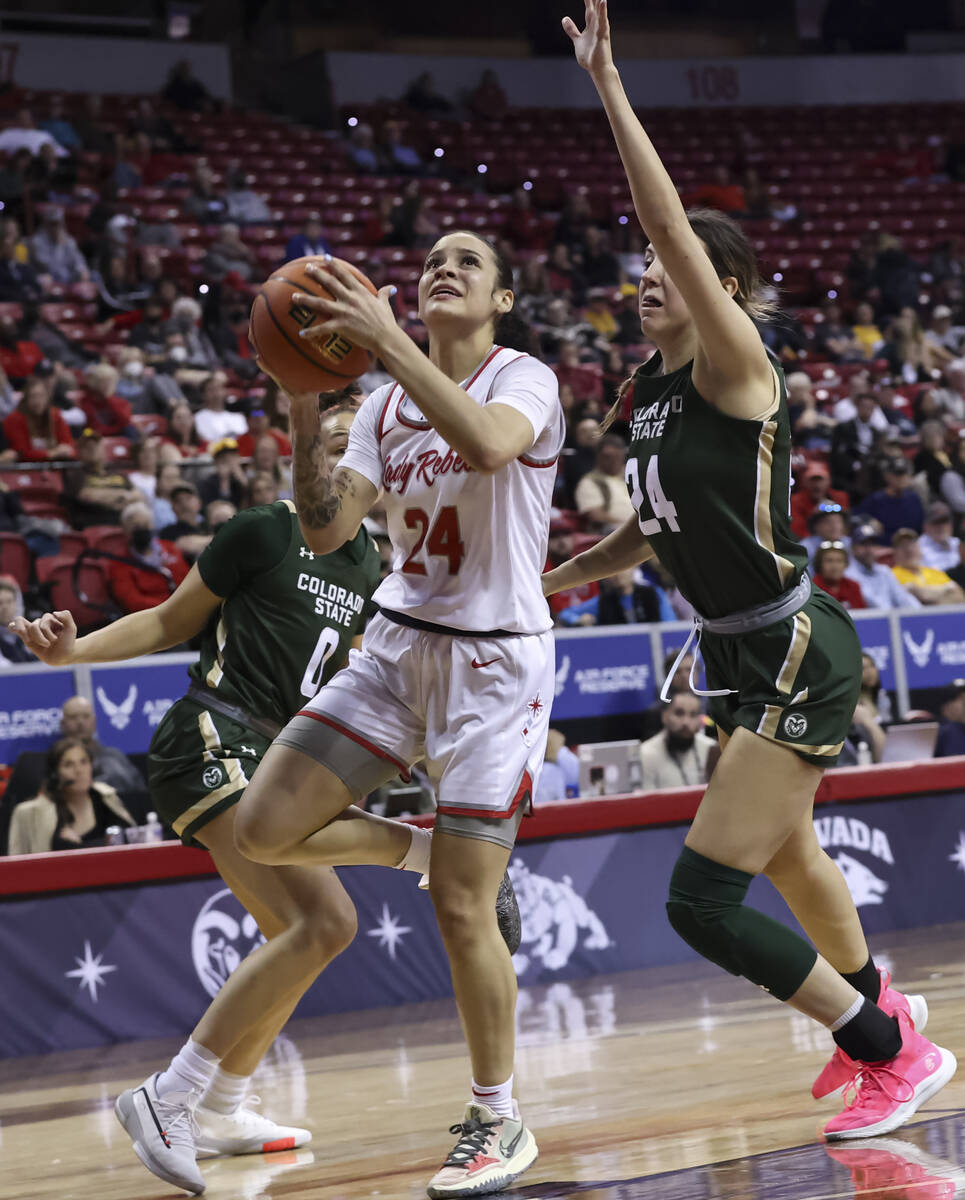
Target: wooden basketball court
(679, 1083)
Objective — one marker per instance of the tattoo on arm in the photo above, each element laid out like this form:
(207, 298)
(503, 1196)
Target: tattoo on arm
(318, 492)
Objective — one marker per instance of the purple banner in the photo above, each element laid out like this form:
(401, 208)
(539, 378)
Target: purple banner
(101, 966)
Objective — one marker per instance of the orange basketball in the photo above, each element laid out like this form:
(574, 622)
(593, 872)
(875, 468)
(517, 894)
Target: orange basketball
(300, 364)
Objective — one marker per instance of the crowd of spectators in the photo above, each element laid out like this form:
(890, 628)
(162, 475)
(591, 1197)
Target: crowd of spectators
(127, 382)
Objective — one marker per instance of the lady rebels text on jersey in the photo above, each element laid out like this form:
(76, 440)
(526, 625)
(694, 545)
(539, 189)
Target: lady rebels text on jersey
(468, 549)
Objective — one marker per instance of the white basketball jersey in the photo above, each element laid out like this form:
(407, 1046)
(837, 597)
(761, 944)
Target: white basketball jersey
(467, 549)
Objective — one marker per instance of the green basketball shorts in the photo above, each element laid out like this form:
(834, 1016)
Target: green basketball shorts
(198, 765)
(797, 681)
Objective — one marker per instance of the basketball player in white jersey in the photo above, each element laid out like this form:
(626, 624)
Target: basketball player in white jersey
(458, 667)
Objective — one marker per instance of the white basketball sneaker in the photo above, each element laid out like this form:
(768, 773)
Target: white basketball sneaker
(490, 1152)
(163, 1132)
(244, 1132)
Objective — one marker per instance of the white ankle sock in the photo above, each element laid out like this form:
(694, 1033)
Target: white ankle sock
(416, 858)
(192, 1069)
(849, 1014)
(226, 1092)
(498, 1097)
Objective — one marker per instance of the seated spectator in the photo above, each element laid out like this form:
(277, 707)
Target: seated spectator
(262, 489)
(957, 573)
(487, 101)
(890, 405)
(218, 513)
(559, 326)
(266, 460)
(258, 427)
(182, 434)
(952, 484)
(397, 157)
(651, 719)
(897, 505)
(167, 479)
(525, 229)
(213, 421)
(942, 335)
(865, 731)
(310, 242)
(560, 550)
(412, 224)
(951, 731)
(949, 399)
(145, 456)
(184, 90)
(908, 355)
(362, 150)
(599, 265)
(189, 532)
(678, 756)
(96, 493)
(862, 400)
(106, 413)
(865, 330)
(873, 695)
(54, 252)
(830, 563)
(149, 334)
(623, 599)
(59, 128)
(560, 776)
(12, 650)
(35, 430)
(932, 459)
(828, 523)
(579, 452)
(227, 481)
(815, 490)
(19, 358)
(186, 320)
(159, 568)
(563, 275)
(878, 584)
(723, 193)
(245, 206)
(423, 96)
(119, 290)
(834, 338)
(601, 495)
(22, 134)
(810, 427)
(205, 204)
(230, 340)
(228, 255)
(599, 313)
(18, 280)
(73, 811)
(939, 548)
(925, 583)
(585, 382)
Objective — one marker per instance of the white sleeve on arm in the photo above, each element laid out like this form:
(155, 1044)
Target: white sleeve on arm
(363, 453)
(532, 389)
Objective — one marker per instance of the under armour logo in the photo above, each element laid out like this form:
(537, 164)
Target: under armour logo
(303, 553)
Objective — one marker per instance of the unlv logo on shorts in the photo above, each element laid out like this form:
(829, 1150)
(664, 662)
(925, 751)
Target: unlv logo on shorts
(795, 725)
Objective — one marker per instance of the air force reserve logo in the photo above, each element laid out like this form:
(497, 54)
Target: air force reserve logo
(919, 651)
(118, 714)
(795, 725)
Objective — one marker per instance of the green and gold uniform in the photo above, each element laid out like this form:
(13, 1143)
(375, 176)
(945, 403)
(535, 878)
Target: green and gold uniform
(286, 623)
(712, 493)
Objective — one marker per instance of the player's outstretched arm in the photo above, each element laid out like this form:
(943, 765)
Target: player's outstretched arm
(623, 548)
(330, 504)
(731, 368)
(53, 637)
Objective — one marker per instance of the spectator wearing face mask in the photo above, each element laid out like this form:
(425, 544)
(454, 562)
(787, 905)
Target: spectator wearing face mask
(158, 568)
(186, 320)
(678, 755)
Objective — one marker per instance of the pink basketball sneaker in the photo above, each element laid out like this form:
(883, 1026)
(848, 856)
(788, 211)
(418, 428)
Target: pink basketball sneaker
(886, 1095)
(840, 1068)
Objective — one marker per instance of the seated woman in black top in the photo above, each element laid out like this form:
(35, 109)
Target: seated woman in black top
(73, 811)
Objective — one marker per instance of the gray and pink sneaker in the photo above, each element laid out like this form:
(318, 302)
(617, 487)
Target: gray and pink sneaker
(840, 1068)
(881, 1097)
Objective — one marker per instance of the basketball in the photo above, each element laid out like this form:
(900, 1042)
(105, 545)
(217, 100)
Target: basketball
(299, 364)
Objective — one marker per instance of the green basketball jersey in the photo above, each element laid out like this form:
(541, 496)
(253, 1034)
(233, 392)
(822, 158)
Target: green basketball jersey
(288, 616)
(712, 493)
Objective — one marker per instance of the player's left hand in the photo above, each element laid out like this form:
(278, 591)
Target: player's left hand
(353, 311)
(592, 46)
